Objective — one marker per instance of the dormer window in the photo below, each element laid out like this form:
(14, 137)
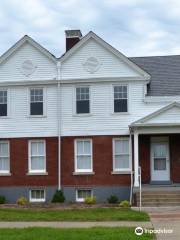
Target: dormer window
(120, 99)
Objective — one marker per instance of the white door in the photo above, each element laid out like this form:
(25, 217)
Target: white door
(160, 162)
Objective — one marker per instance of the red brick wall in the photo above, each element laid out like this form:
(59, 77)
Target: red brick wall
(19, 164)
(102, 164)
(175, 157)
(144, 157)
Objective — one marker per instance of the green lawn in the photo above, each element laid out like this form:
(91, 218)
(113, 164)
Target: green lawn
(90, 214)
(72, 234)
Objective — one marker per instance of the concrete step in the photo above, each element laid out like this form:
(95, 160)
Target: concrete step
(164, 204)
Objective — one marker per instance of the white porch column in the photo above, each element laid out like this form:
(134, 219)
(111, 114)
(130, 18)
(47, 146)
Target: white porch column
(136, 158)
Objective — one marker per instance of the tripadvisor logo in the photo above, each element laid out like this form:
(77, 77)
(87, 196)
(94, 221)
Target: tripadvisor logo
(138, 231)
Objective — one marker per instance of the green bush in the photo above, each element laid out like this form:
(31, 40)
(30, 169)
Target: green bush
(124, 204)
(113, 199)
(2, 199)
(90, 200)
(22, 201)
(58, 197)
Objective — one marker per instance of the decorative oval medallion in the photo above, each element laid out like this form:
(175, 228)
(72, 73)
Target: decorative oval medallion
(91, 64)
(27, 67)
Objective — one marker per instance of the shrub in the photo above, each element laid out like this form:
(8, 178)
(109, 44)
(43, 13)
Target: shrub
(124, 204)
(2, 199)
(113, 199)
(22, 201)
(90, 200)
(58, 197)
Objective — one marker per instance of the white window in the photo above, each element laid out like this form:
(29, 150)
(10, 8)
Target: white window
(82, 194)
(3, 103)
(37, 156)
(36, 102)
(82, 100)
(4, 157)
(120, 99)
(37, 195)
(83, 155)
(121, 157)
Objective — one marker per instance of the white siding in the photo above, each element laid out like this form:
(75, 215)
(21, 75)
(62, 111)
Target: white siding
(170, 116)
(10, 70)
(111, 66)
(102, 121)
(20, 124)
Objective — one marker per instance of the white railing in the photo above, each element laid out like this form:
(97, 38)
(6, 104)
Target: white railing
(140, 188)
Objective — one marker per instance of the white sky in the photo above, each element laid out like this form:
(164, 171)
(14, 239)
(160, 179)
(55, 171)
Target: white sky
(134, 27)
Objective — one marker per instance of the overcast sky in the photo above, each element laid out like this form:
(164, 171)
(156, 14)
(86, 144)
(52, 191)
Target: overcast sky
(134, 27)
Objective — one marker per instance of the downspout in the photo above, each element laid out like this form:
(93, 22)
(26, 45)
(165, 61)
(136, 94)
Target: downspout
(59, 122)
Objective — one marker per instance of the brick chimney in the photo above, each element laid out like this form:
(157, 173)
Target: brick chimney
(72, 37)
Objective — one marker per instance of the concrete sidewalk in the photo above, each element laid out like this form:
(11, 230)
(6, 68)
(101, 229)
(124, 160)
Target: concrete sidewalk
(75, 224)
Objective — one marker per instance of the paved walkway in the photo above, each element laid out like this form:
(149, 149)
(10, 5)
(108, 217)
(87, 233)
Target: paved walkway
(74, 224)
(165, 218)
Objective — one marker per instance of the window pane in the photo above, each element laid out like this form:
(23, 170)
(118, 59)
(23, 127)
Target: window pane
(34, 149)
(159, 164)
(84, 194)
(41, 148)
(37, 163)
(4, 164)
(36, 108)
(120, 105)
(121, 147)
(82, 106)
(37, 194)
(121, 161)
(3, 109)
(160, 151)
(3, 149)
(87, 147)
(84, 162)
(3, 97)
(79, 147)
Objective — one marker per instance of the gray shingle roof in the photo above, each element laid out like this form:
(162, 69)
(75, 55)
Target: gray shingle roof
(165, 74)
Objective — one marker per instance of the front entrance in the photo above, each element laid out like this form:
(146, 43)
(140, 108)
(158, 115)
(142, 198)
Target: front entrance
(160, 161)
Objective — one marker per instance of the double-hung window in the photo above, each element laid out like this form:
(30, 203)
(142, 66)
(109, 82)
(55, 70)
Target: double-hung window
(82, 100)
(121, 156)
(120, 98)
(83, 155)
(37, 156)
(3, 103)
(4, 157)
(36, 102)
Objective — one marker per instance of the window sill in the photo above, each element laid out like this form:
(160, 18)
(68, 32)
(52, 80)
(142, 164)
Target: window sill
(120, 113)
(121, 172)
(37, 116)
(37, 173)
(4, 117)
(82, 115)
(5, 174)
(83, 173)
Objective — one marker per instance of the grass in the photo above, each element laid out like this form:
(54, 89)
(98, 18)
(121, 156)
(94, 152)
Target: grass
(94, 214)
(72, 234)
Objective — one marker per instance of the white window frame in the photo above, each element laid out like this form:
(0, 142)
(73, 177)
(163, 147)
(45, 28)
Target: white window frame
(121, 169)
(29, 156)
(36, 199)
(82, 189)
(128, 95)
(75, 156)
(6, 171)
(8, 102)
(44, 102)
(74, 101)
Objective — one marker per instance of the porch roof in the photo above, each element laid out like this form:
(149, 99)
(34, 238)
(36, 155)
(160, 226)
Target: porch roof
(166, 116)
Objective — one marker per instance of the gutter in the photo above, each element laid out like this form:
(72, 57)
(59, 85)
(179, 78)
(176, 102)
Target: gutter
(59, 122)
